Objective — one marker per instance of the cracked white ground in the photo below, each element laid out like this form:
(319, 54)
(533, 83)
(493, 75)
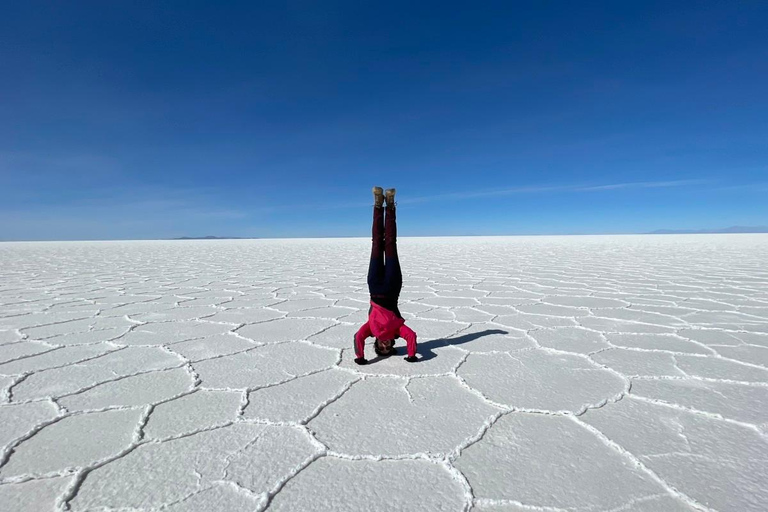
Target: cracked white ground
(576, 373)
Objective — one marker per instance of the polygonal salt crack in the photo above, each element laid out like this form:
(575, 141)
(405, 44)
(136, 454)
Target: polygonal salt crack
(193, 412)
(739, 402)
(33, 495)
(77, 377)
(353, 485)
(131, 391)
(19, 419)
(160, 473)
(523, 455)
(297, 400)
(570, 339)
(55, 359)
(707, 459)
(440, 416)
(284, 329)
(219, 496)
(265, 365)
(540, 380)
(89, 438)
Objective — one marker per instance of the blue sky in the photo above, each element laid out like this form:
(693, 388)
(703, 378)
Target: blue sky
(163, 119)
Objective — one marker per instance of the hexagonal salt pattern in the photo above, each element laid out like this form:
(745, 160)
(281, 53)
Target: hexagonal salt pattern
(711, 460)
(523, 455)
(410, 416)
(581, 374)
(33, 495)
(332, 485)
(255, 458)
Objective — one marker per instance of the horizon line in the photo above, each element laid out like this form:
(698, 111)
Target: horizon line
(754, 230)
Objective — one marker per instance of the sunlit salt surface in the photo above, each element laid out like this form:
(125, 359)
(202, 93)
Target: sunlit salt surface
(617, 373)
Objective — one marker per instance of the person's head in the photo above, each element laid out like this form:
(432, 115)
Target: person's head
(384, 345)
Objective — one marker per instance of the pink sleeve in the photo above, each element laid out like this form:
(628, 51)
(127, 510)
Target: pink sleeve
(410, 339)
(360, 337)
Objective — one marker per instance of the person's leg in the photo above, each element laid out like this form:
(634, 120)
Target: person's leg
(393, 273)
(390, 232)
(376, 273)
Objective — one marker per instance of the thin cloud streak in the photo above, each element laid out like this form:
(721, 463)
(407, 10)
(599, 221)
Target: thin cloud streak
(560, 188)
(474, 194)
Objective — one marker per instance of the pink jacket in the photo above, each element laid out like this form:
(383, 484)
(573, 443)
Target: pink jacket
(385, 325)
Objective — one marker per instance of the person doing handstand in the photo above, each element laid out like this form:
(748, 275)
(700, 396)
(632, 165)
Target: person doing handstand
(385, 280)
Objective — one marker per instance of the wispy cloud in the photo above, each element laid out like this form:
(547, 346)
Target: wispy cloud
(644, 184)
(481, 193)
(751, 187)
(473, 194)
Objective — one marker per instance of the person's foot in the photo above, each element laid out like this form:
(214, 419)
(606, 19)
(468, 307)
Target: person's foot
(390, 196)
(378, 197)
(411, 359)
(361, 360)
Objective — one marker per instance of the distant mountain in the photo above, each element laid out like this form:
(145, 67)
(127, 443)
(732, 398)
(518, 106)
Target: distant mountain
(732, 229)
(209, 237)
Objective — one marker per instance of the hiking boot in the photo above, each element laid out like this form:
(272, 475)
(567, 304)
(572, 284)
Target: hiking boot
(378, 197)
(390, 196)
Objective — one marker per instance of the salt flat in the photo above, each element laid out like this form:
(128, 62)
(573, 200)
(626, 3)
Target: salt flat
(617, 373)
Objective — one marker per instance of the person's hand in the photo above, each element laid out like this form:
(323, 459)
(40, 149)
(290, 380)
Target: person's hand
(411, 359)
(361, 360)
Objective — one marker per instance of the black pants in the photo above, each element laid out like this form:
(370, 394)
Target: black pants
(385, 280)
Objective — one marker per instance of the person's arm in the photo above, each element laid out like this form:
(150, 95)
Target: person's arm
(360, 336)
(410, 340)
